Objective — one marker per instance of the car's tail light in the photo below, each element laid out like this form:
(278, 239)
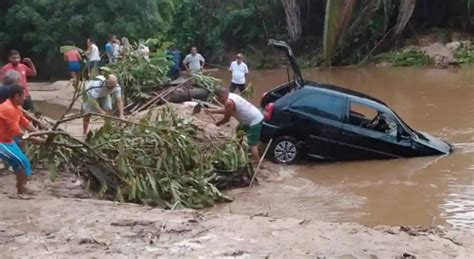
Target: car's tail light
(268, 112)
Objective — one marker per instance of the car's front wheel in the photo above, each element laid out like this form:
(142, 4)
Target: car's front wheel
(285, 150)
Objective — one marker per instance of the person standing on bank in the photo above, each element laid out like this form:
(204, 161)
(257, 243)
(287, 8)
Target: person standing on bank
(98, 92)
(194, 62)
(249, 117)
(13, 125)
(73, 59)
(25, 70)
(239, 69)
(93, 58)
(112, 49)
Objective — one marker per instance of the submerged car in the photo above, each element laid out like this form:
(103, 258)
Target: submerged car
(333, 123)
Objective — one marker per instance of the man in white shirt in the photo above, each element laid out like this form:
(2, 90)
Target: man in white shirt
(98, 92)
(194, 62)
(250, 118)
(239, 69)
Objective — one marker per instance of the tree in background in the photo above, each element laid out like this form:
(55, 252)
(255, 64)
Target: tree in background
(293, 19)
(40, 27)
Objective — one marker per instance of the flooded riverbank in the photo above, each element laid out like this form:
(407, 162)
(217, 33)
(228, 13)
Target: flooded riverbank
(299, 211)
(430, 190)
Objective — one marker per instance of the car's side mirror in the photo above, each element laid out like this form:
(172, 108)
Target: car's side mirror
(403, 135)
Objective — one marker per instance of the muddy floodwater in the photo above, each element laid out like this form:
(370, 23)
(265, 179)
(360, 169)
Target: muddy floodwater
(429, 190)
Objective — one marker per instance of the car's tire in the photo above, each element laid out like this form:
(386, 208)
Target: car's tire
(285, 150)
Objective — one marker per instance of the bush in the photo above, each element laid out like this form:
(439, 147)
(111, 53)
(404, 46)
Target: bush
(410, 57)
(465, 55)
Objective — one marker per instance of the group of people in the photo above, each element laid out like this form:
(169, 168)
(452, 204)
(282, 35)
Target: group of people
(114, 50)
(16, 105)
(15, 100)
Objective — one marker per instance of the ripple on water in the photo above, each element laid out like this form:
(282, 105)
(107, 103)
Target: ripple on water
(459, 207)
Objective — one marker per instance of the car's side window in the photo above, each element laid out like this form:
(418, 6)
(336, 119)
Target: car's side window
(367, 117)
(324, 105)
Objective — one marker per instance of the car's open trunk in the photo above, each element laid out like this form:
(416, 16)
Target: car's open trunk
(276, 93)
(280, 91)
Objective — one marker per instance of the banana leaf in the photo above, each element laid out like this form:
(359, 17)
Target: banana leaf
(65, 48)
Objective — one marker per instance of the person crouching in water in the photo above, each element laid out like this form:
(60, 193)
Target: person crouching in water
(98, 92)
(13, 124)
(249, 117)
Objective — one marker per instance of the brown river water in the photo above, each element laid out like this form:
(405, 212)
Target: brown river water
(428, 190)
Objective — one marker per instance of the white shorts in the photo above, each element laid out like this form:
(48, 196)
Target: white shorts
(105, 104)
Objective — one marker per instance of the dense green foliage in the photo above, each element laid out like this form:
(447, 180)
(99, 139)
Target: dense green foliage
(368, 27)
(160, 161)
(43, 25)
(141, 76)
(465, 55)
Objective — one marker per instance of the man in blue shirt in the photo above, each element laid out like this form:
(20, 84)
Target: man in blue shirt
(111, 49)
(176, 58)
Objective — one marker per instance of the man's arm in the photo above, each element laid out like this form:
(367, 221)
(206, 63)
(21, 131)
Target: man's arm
(216, 111)
(185, 63)
(228, 112)
(120, 106)
(25, 124)
(203, 61)
(32, 118)
(32, 69)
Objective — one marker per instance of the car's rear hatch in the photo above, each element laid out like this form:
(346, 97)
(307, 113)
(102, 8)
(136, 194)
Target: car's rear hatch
(280, 91)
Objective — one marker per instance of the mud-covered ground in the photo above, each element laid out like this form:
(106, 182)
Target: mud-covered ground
(62, 220)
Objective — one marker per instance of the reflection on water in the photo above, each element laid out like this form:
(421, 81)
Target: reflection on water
(415, 191)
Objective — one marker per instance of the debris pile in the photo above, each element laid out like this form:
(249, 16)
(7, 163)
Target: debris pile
(155, 156)
(159, 158)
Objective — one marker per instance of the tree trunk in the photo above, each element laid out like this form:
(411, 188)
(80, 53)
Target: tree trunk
(337, 17)
(293, 19)
(404, 14)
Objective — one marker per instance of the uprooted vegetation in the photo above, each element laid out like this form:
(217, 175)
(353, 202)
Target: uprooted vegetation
(155, 157)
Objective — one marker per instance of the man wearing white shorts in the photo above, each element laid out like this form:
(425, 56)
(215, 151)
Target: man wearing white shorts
(98, 100)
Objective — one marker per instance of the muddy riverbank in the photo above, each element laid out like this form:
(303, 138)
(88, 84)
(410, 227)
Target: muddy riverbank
(62, 220)
(297, 211)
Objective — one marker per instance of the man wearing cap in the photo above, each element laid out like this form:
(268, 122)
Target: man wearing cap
(98, 92)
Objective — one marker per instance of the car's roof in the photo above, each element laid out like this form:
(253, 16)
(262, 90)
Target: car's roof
(337, 90)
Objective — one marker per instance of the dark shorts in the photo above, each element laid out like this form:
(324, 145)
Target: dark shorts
(73, 66)
(233, 86)
(28, 104)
